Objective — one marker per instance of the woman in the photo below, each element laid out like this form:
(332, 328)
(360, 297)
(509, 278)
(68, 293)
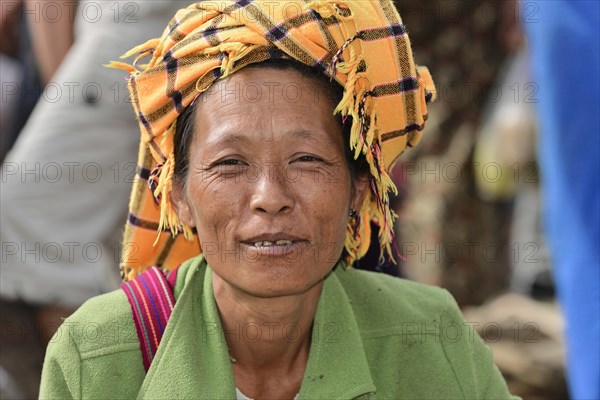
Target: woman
(277, 192)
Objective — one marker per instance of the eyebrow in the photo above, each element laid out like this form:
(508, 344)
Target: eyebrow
(234, 139)
(304, 134)
(310, 136)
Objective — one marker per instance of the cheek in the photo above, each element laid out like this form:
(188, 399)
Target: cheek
(214, 208)
(329, 204)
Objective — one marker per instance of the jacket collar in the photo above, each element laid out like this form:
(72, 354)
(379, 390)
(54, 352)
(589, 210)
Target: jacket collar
(192, 360)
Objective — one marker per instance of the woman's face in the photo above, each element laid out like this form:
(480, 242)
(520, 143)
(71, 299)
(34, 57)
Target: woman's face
(268, 188)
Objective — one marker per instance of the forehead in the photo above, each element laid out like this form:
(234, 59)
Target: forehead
(257, 82)
(267, 102)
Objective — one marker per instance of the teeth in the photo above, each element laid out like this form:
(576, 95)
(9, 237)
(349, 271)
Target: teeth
(266, 243)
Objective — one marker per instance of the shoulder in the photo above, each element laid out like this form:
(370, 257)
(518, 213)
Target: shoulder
(96, 351)
(102, 323)
(383, 302)
(105, 322)
(387, 308)
(89, 340)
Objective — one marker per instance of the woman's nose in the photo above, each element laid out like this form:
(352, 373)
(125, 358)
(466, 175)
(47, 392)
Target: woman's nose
(272, 192)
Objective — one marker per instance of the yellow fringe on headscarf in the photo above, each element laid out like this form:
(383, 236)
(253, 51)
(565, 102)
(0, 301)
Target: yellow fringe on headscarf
(361, 44)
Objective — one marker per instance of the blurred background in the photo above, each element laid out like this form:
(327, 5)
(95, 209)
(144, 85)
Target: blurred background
(483, 202)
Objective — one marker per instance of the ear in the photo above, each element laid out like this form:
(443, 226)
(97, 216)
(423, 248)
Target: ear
(180, 204)
(361, 189)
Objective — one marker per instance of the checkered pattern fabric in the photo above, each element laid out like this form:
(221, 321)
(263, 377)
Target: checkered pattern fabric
(361, 44)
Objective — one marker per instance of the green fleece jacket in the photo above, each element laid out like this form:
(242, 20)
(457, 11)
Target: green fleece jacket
(374, 337)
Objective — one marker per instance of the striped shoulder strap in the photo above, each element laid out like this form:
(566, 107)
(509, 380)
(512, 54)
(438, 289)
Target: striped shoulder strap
(151, 298)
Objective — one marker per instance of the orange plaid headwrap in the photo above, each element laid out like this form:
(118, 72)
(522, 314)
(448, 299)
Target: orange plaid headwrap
(361, 44)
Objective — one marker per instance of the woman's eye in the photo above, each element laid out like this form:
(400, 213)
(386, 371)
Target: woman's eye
(229, 162)
(308, 158)
(229, 166)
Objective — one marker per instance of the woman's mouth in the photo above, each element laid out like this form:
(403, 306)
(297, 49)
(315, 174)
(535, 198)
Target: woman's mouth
(266, 243)
(273, 246)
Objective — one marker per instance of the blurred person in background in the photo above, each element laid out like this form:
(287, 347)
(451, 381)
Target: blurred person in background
(19, 77)
(565, 63)
(450, 231)
(66, 179)
(444, 227)
(10, 73)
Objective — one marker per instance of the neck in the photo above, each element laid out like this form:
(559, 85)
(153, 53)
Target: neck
(265, 334)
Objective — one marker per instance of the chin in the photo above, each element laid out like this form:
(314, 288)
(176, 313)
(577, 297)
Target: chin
(275, 281)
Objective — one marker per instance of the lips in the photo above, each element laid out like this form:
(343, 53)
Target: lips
(274, 243)
(266, 243)
(272, 238)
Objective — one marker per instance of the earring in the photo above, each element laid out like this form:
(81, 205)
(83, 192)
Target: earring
(356, 223)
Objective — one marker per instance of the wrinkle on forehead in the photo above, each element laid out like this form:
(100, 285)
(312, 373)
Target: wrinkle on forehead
(226, 115)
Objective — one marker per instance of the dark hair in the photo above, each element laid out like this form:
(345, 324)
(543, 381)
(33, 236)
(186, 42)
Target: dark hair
(185, 126)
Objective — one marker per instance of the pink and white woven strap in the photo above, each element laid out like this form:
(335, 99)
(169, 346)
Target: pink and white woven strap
(151, 298)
